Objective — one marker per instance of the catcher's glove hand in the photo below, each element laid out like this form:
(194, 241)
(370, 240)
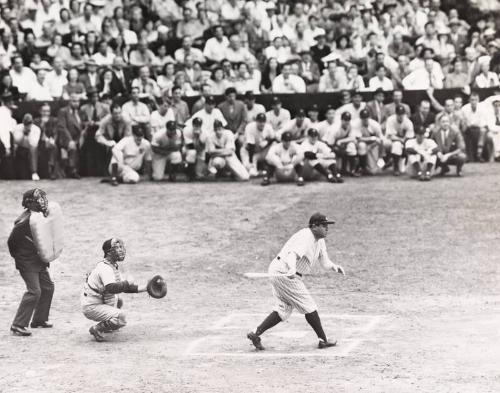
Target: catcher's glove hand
(157, 287)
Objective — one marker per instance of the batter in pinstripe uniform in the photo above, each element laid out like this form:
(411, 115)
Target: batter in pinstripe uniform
(297, 257)
(100, 300)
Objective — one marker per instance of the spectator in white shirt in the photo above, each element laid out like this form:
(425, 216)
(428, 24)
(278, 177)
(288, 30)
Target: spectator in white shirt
(380, 80)
(160, 117)
(104, 56)
(26, 137)
(236, 53)
(281, 29)
(57, 78)
(215, 47)
(486, 78)
(278, 51)
(423, 78)
(181, 53)
(134, 110)
(208, 115)
(22, 77)
(277, 116)
(286, 82)
(475, 118)
(39, 90)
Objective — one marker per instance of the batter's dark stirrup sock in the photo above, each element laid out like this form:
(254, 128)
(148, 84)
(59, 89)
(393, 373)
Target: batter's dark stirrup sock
(333, 169)
(114, 170)
(321, 170)
(298, 169)
(271, 320)
(313, 319)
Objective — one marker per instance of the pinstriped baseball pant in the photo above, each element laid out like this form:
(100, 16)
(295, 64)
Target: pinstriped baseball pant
(291, 293)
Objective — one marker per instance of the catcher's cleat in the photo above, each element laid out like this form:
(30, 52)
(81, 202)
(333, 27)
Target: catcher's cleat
(19, 331)
(97, 335)
(255, 341)
(44, 325)
(300, 181)
(265, 181)
(326, 344)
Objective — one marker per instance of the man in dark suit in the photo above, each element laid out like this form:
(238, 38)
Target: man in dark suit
(376, 107)
(451, 146)
(70, 134)
(123, 75)
(90, 78)
(320, 50)
(93, 156)
(423, 117)
(47, 148)
(309, 71)
(397, 100)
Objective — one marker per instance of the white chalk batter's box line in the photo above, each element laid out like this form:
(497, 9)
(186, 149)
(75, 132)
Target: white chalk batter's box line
(340, 351)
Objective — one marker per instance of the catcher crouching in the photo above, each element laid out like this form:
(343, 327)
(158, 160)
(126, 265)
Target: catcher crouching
(100, 300)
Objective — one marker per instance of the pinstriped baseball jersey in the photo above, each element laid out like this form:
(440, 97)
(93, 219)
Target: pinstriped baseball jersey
(94, 288)
(300, 253)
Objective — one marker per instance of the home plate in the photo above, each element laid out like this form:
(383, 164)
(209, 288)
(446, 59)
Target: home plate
(290, 333)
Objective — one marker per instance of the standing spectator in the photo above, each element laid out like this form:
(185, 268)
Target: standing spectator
(233, 111)
(134, 110)
(215, 47)
(309, 72)
(180, 107)
(397, 100)
(320, 50)
(69, 134)
(423, 117)
(376, 107)
(451, 146)
(47, 148)
(26, 137)
(456, 78)
(475, 123)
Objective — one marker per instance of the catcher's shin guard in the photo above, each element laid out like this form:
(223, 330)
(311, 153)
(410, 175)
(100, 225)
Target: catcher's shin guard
(111, 324)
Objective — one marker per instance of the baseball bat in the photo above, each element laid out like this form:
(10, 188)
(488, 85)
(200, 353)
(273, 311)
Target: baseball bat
(263, 275)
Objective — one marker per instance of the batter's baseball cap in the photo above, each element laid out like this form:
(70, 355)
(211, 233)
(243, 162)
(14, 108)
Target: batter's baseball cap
(261, 117)
(318, 219)
(312, 132)
(286, 136)
(400, 110)
(171, 125)
(364, 114)
(197, 122)
(346, 116)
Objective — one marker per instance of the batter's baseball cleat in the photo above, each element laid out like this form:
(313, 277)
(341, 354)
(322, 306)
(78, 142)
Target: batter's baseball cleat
(44, 325)
(97, 335)
(255, 341)
(326, 344)
(19, 331)
(300, 181)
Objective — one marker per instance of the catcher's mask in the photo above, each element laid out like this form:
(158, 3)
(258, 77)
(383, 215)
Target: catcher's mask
(114, 249)
(36, 200)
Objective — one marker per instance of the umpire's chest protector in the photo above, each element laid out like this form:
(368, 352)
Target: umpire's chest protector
(47, 232)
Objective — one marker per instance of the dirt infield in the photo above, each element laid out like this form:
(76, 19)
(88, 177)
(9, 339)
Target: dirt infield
(418, 311)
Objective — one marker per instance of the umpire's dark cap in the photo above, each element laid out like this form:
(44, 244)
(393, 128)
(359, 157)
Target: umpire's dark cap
(319, 219)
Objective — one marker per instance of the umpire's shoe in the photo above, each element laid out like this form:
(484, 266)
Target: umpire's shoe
(326, 344)
(255, 341)
(97, 334)
(19, 331)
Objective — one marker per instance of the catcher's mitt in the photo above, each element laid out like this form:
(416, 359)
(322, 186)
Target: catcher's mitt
(157, 287)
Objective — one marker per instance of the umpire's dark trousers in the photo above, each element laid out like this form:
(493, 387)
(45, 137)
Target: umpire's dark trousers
(37, 298)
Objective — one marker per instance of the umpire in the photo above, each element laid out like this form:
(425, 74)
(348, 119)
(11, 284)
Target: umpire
(39, 287)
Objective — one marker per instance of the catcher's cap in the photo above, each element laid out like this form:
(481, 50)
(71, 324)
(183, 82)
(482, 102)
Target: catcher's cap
(400, 110)
(364, 114)
(261, 117)
(318, 219)
(286, 136)
(197, 122)
(171, 125)
(108, 245)
(312, 132)
(346, 116)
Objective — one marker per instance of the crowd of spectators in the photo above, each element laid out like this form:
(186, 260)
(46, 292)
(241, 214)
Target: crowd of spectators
(121, 69)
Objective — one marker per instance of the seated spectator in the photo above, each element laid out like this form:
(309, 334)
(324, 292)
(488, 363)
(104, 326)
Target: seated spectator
(271, 70)
(398, 47)
(451, 147)
(236, 53)
(74, 86)
(332, 80)
(421, 152)
(22, 77)
(131, 155)
(456, 78)
(167, 150)
(77, 58)
(400, 72)
(6, 87)
(47, 147)
(380, 80)
(142, 56)
(26, 137)
(187, 48)
(189, 25)
(39, 91)
(193, 72)
(215, 47)
(182, 82)
(486, 78)
(90, 78)
(309, 71)
(354, 81)
(161, 58)
(218, 84)
(57, 79)
(104, 56)
(166, 79)
(148, 88)
(221, 151)
(136, 111)
(398, 130)
(243, 81)
(278, 51)
(110, 85)
(287, 82)
(423, 78)
(38, 64)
